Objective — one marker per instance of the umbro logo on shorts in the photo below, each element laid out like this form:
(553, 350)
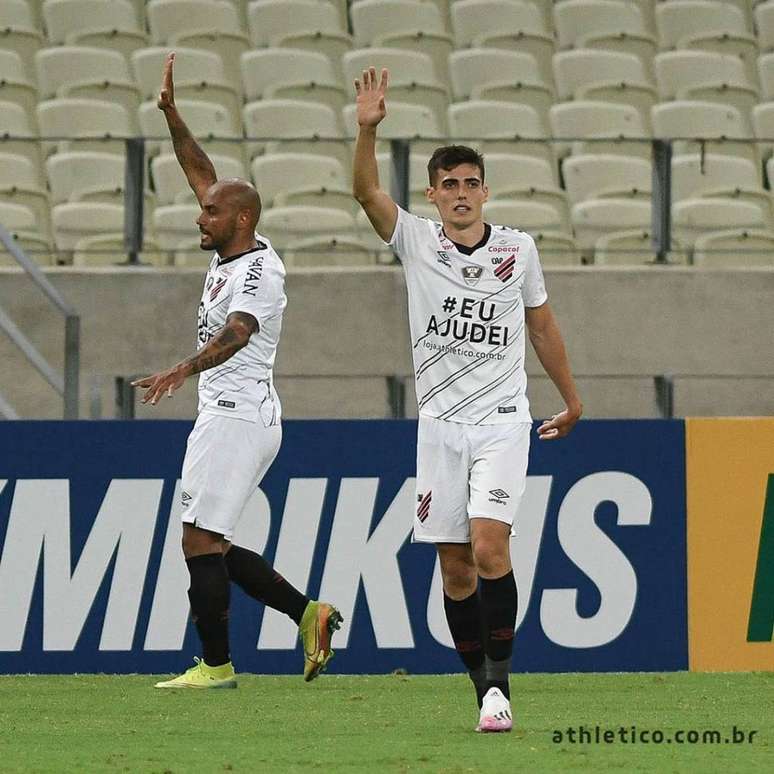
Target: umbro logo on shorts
(499, 496)
(186, 499)
(423, 509)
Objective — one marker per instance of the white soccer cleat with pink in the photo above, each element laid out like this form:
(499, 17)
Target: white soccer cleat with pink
(495, 713)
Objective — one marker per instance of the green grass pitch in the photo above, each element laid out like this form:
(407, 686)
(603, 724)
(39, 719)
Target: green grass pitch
(394, 723)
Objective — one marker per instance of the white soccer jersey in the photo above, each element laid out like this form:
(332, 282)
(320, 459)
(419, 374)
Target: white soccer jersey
(252, 282)
(466, 313)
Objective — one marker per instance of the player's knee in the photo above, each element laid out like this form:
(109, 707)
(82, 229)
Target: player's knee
(459, 579)
(492, 558)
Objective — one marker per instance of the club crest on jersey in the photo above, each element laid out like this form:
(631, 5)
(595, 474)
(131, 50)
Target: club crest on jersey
(472, 274)
(443, 258)
(505, 270)
(219, 285)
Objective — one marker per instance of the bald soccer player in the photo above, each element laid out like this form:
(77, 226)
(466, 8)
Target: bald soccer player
(238, 431)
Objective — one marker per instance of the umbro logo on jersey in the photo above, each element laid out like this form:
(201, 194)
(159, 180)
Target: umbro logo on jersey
(443, 257)
(472, 274)
(423, 509)
(505, 270)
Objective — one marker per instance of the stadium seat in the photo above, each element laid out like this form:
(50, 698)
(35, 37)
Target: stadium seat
(332, 44)
(580, 68)
(208, 122)
(330, 250)
(675, 20)
(294, 126)
(270, 19)
(706, 76)
(171, 185)
(14, 84)
(188, 254)
(175, 223)
(510, 175)
(640, 96)
(16, 13)
(582, 119)
(284, 173)
(73, 221)
(35, 248)
(766, 71)
(371, 18)
(512, 25)
(199, 75)
(15, 123)
(269, 67)
(499, 127)
(598, 176)
(64, 17)
(437, 45)
(764, 24)
(686, 118)
(283, 224)
(479, 66)
(109, 250)
(17, 217)
(172, 17)
(693, 218)
(578, 19)
(633, 247)
(403, 121)
(694, 175)
(404, 66)
(89, 123)
(20, 184)
(473, 18)
(19, 33)
(763, 127)
(73, 173)
(526, 216)
(557, 248)
(226, 45)
(734, 248)
(594, 218)
(89, 73)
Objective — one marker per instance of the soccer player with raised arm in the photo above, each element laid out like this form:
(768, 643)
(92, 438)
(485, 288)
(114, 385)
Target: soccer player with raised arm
(237, 432)
(472, 287)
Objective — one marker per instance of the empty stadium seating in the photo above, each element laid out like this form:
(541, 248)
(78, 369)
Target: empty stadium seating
(503, 75)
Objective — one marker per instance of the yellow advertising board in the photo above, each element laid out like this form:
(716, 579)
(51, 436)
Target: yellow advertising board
(730, 491)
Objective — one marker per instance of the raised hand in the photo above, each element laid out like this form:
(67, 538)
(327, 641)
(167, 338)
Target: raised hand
(370, 97)
(166, 98)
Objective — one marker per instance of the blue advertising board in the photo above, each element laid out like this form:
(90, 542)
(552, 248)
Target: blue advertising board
(92, 577)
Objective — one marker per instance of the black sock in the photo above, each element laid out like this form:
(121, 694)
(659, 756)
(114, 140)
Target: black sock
(499, 602)
(464, 619)
(209, 595)
(257, 578)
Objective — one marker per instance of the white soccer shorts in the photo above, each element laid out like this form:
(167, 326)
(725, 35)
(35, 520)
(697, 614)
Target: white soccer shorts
(225, 460)
(467, 471)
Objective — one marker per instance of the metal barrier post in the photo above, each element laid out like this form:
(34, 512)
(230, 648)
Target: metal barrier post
(396, 389)
(661, 223)
(399, 183)
(124, 397)
(72, 365)
(134, 200)
(665, 395)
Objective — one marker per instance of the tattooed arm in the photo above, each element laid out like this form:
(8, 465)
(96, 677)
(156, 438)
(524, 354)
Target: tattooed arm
(225, 343)
(194, 161)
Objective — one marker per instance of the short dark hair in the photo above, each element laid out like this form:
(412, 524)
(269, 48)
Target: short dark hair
(450, 156)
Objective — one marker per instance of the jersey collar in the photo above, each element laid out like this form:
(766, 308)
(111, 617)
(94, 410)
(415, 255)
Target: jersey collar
(224, 261)
(464, 249)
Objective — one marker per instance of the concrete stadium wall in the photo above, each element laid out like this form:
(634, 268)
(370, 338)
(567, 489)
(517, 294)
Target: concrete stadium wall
(346, 330)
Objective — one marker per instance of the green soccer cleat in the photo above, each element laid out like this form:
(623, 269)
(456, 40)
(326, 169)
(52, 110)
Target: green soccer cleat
(317, 625)
(203, 676)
